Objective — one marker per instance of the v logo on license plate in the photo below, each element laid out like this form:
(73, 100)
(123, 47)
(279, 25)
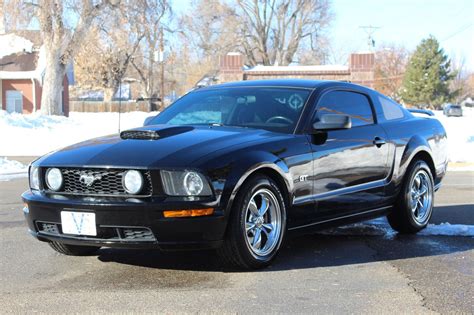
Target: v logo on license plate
(78, 226)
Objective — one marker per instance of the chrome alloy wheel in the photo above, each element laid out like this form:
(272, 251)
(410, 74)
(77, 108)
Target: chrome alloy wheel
(421, 196)
(263, 222)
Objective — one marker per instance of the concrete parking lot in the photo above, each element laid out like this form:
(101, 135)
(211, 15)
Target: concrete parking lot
(356, 273)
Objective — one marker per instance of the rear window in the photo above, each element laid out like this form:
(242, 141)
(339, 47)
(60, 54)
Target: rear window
(390, 109)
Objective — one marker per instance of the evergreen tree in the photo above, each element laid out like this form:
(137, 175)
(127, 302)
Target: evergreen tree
(428, 76)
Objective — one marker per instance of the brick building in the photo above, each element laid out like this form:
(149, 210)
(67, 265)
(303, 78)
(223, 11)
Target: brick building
(22, 68)
(360, 70)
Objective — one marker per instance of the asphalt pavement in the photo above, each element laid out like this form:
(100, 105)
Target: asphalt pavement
(357, 273)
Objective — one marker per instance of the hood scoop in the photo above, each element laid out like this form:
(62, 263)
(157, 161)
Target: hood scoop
(140, 134)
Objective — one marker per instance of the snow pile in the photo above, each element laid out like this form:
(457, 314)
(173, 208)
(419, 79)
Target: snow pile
(380, 227)
(11, 169)
(460, 132)
(12, 44)
(447, 229)
(36, 134)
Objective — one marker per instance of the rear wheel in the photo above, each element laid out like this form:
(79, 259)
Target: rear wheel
(73, 250)
(257, 225)
(414, 206)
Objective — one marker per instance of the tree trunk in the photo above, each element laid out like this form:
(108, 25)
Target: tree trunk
(51, 97)
(108, 94)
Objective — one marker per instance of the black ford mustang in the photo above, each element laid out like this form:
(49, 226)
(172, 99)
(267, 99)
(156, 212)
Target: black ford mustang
(239, 166)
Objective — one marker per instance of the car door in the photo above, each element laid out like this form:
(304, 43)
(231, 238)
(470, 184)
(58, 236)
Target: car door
(350, 165)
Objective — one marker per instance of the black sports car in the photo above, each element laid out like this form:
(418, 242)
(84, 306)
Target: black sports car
(239, 166)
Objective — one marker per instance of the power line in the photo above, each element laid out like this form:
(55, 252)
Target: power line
(462, 29)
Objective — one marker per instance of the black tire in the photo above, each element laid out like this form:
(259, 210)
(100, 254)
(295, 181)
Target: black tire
(73, 250)
(236, 251)
(403, 219)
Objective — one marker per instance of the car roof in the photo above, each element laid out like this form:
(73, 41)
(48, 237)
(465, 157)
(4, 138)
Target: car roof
(295, 83)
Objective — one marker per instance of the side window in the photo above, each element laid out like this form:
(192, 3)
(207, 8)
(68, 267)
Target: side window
(390, 109)
(348, 103)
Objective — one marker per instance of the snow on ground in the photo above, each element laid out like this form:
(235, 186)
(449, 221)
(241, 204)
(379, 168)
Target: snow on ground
(380, 227)
(460, 132)
(36, 134)
(11, 169)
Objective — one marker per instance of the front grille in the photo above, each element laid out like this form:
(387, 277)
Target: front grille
(107, 182)
(50, 228)
(104, 232)
(137, 234)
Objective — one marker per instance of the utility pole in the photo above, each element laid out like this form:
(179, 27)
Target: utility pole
(162, 60)
(370, 30)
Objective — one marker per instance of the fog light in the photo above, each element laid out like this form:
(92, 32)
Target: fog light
(54, 179)
(187, 213)
(132, 182)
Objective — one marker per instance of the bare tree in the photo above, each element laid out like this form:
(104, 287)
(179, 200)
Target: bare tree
(460, 86)
(149, 20)
(273, 30)
(61, 41)
(211, 28)
(104, 60)
(390, 65)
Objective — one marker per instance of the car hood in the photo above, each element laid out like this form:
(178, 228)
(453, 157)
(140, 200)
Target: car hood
(159, 146)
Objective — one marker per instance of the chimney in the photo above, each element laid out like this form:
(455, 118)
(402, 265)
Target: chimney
(231, 67)
(362, 67)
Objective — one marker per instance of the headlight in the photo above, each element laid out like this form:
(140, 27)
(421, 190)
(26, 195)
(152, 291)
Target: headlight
(132, 182)
(185, 183)
(54, 179)
(34, 177)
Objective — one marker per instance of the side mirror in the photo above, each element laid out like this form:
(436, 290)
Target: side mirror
(333, 122)
(148, 120)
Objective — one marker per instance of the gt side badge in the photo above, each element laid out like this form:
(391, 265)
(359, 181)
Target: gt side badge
(303, 178)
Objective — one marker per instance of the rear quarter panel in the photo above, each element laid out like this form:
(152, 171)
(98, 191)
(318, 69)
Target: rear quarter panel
(410, 136)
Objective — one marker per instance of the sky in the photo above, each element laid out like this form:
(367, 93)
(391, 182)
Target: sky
(401, 22)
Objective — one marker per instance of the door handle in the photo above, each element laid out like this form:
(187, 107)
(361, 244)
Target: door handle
(379, 142)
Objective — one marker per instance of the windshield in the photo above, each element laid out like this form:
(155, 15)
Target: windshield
(274, 109)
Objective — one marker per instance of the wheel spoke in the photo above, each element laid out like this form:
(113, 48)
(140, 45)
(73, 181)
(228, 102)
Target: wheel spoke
(420, 203)
(257, 239)
(264, 206)
(423, 190)
(253, 208)
(268, 227)
(417, 182)
(249, 226)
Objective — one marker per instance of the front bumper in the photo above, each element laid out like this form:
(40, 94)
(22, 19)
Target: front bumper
(129, 223)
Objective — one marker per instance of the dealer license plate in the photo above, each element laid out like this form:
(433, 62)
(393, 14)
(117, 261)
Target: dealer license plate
(78, 223)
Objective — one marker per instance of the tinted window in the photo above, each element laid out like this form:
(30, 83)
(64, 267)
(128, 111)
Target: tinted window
(390, 109)
(348, 103)
(275, 109)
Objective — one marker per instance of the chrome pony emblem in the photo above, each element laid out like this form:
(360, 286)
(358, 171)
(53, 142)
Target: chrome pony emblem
(89, 179)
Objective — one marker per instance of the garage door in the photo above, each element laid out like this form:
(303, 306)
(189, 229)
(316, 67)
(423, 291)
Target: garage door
(14, 101)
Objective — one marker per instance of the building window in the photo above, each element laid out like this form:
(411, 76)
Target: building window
(14, 101)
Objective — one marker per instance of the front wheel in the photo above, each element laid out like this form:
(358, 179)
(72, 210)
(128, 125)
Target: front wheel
(414, 206)
(257, 225)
